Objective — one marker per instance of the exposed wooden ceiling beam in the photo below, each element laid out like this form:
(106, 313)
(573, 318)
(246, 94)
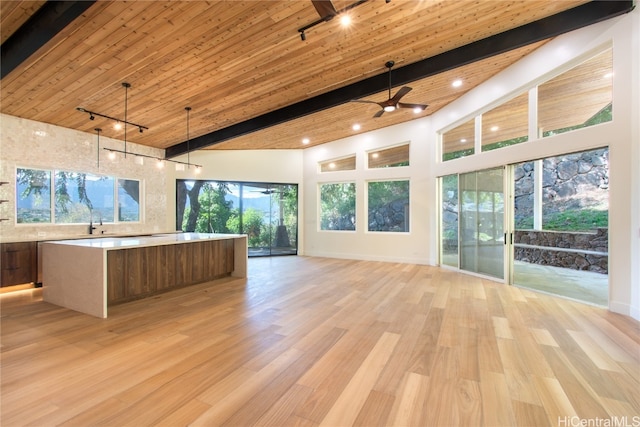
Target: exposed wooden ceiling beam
(572, 19)
(41, 27)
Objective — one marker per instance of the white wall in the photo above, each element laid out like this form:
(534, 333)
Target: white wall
(31, 144)
(361, 244)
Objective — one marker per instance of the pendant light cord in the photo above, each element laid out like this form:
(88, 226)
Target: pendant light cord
(188, 148)
(126, 90)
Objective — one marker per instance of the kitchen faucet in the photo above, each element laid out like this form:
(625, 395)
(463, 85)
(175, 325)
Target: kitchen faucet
(91, 227)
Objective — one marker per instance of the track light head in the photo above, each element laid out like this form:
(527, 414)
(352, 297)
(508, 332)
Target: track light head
(91, 117)
(303, 36)
(140, 129)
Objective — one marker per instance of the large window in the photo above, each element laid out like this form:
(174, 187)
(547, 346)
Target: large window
(577, 98)
(33, 196)
(66, 197)
(82, 197)
(388, 206)
(459, 141)
(342, 164)
(506, 124)
(266, 212)
(391, 157)
(338, 206)
(128, 200)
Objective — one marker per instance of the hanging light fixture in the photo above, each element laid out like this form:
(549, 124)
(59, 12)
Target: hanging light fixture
(188, 109)
(126, 90)
(139, 158)
(198, 168)
(98, 130)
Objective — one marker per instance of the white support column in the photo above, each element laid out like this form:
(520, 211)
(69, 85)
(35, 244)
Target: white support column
(535, 132)
(478, 134)
(537, 195)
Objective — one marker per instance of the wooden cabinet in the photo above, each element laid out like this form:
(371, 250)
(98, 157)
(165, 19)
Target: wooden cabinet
(139, 272)
(19, 263)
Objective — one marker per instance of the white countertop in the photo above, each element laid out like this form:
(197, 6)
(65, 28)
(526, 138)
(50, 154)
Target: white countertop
(141, 241)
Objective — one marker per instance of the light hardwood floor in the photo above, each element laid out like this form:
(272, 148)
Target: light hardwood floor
(316, 341)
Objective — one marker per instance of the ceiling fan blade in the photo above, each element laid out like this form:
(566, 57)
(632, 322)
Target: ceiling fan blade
(365, 101)
(325, 9)
(378, 114)
(399, 94)
(405, 105)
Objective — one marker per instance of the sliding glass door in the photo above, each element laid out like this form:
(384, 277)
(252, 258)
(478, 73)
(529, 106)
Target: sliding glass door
(269, 218)
(560, 236)
(557, 224)
(266, 212)
(472, 225)
(482, 222)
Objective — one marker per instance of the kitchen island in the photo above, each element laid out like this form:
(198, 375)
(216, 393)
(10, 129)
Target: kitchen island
(89, 275)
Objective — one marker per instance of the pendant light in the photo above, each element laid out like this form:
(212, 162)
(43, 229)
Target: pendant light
(188, 110)
(98, 130)
(126, 90)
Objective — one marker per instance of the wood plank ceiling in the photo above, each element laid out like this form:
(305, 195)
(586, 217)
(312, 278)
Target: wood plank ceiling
(233, 61)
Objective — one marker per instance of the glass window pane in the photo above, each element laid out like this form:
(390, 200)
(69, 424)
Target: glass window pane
(388, 205)
(343, 164)
(338, 206)
(459, 141)
(128, 200)
(82, 197)
(33, 196)
(578, 98)
(481, 222)
(449, 222)
(389, 157)
(506, 124)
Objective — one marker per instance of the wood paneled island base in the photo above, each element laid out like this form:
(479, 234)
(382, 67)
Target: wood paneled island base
(88, 275)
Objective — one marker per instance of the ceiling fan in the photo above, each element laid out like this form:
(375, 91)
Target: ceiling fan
(393, 102)
(267, 191)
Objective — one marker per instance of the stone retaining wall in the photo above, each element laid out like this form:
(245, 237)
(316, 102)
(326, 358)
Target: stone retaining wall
(578, 251)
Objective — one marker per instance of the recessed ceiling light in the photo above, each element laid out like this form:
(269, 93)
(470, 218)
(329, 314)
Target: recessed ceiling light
(117, 126)
(375, 155)
(456, 83)
(494, 128)
(332, 165)
(608, 75)
(463, 140)
(305, 141)
(356, 126)
(345, 20)
(417, 110)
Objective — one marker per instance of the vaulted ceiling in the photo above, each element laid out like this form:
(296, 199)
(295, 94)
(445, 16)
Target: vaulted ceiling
(243, 68)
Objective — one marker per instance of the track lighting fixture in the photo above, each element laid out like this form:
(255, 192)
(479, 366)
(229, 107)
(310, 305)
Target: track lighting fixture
(113, 152)
(93, 115)
(327, 12)
(138, 157)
